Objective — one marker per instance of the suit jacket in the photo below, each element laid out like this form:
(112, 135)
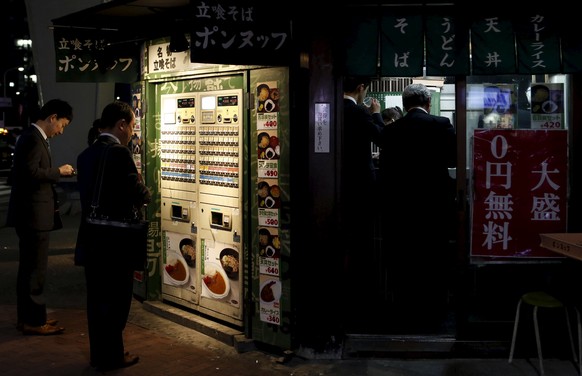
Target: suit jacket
(417, 151)
(360, 129)
(33, 199)
(122, 190)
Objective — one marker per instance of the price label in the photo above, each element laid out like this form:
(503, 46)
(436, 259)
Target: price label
(268, 168)
(546, 121)
(269, 217)
(269, 266)
(271, 314)
(552, 125)
(270, 174)
(273, 319)
(267, 120)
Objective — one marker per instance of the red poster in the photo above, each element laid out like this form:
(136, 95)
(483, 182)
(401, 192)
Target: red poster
(520, 182)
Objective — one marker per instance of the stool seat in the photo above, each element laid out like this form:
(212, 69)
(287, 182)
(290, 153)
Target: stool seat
(541, 299)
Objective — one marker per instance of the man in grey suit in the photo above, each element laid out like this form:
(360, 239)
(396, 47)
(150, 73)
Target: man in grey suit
(32, 210)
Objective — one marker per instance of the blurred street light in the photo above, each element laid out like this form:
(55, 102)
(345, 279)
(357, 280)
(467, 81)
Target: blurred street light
(20, 69)
(5, 99)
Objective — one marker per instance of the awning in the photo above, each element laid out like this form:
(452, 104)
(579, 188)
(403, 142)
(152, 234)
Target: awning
(248, 32)
(133, 19)
(445, 41)
(101, 43)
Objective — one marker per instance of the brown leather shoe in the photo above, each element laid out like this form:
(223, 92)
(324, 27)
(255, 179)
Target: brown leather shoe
(44, 330)
(51, 322)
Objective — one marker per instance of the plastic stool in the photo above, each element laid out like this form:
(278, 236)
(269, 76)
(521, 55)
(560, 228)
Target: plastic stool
(540, 299)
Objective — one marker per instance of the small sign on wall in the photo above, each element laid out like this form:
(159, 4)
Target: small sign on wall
(321, 128)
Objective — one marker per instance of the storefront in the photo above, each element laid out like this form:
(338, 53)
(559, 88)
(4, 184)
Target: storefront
(255, 177)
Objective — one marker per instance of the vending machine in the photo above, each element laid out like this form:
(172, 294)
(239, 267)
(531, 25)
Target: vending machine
(219, 145)
(201, 142)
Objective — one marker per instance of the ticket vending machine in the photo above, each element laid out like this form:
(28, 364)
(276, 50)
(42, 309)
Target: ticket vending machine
(201, 143)
(179, 277)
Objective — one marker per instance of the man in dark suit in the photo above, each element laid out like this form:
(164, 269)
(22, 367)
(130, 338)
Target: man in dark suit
(107, 255)
(32, 210)
(416, 191)
(362, 124)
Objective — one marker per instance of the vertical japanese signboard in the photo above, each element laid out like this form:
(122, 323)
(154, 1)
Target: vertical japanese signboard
(402, 45)
(493, 46)
(520, 190)
(538, 45)
(447, 46)
(269, 200)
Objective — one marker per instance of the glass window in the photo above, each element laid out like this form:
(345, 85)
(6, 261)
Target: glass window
(517, 163)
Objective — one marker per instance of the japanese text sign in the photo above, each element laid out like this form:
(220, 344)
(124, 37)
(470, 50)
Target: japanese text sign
(85, 56)
(538, 45)
(493, 46)
(402, 45)
(162, 60)
(520, 190)
(239, 32)
(447, 46)
(530, 42)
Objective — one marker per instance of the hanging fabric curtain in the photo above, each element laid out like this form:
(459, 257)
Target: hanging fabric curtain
(538, 44)
(402, 45)
(447, 46)
(493, 46)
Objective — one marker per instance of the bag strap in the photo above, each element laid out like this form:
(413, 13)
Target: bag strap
(97, 191)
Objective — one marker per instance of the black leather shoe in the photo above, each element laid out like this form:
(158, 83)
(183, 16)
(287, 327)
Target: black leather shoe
(127, 361)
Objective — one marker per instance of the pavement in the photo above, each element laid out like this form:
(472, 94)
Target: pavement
(169, 344)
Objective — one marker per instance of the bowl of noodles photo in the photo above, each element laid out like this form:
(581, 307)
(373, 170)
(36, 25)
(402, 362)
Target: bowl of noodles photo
(188, 251)
(229, 262)
(176, 271)
(215, 281)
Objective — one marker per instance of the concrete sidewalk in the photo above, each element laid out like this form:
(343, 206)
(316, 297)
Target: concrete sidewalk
(166, 347)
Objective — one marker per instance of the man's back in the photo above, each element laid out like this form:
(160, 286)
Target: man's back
(418, 148)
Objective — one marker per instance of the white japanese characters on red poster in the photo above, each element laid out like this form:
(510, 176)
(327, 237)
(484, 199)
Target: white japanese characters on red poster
(520, 190)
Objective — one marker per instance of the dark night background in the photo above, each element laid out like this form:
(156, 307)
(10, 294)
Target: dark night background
(14, 25)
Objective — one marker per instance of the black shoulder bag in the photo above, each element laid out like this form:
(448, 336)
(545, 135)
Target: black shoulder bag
(131, 232)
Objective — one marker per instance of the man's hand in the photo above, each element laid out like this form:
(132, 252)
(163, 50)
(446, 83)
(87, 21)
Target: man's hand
(67, 170)
(375, 106)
